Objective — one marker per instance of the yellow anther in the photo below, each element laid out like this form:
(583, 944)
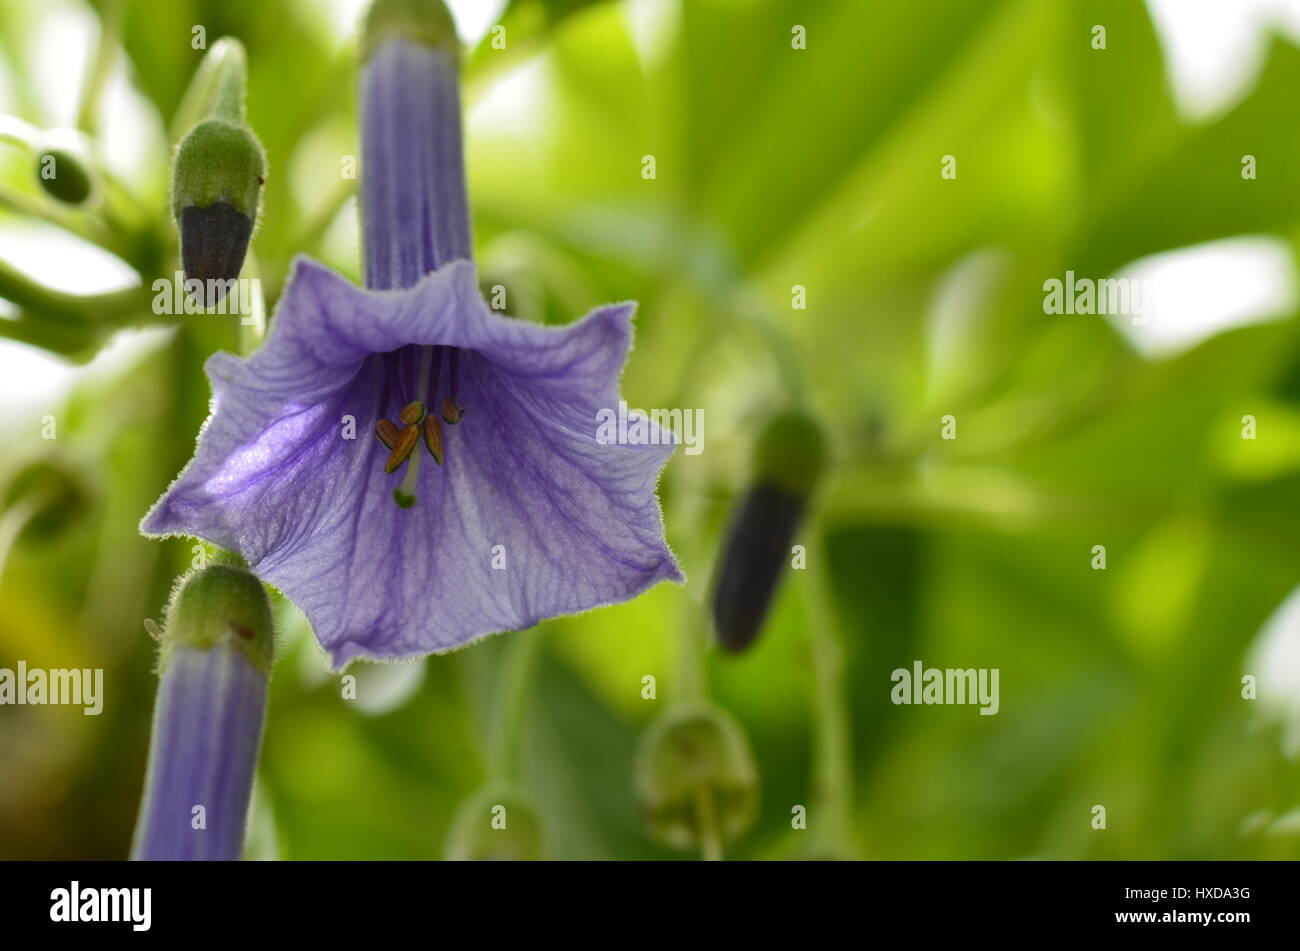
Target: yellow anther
(451, 413)
(412, 413)
(406, 440)
(433, 438)
(386, 430)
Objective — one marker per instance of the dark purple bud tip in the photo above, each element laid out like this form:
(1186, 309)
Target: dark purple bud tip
(214, 241)
(757, 547)
(789, 456)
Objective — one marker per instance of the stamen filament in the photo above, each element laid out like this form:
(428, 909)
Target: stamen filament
(454, 365)
(431, 395)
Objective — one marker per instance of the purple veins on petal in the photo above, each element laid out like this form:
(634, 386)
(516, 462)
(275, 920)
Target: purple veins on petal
(577, 520)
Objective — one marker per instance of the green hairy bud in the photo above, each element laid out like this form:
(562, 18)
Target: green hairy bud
(65, 175)
(217, 174)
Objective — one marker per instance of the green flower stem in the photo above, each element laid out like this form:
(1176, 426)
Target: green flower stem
(217, 90)
(106, 227)
(79, 224)
(706, 815)
(52, 335)
(110, 33)
(109, 309)
(14, 519)
(832, 738)
(749, 311)
(692, 679)
(251, 334)
(15, 131)
(516, 674)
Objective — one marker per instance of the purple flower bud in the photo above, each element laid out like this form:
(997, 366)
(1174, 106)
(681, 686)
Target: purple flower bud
(787, 462)
(217, 175)
(207, 729)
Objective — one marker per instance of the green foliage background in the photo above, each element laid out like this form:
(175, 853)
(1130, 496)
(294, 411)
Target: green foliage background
(775, 167)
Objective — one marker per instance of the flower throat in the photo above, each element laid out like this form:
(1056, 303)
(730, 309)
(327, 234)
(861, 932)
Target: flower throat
(417, 422)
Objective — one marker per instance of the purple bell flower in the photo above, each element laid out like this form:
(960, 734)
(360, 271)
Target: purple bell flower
(475, 496)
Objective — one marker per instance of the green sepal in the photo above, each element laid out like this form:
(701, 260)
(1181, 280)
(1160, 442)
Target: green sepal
(420, 21)
(220, 603)
(790, 454)
(218, 160)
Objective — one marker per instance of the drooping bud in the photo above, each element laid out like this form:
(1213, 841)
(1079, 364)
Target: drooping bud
(215, 661)
(63, 167)
(217, 175)
(498, 823)
(216, 187)
(696, 782)
(47, 498)
(788, 460)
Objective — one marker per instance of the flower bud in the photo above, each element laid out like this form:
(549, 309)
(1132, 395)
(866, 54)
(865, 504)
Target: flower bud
(215, 661)
(63, 167)
(788, 459)
(216, 189)
(498, 823)
(49, 498)
(695, 778)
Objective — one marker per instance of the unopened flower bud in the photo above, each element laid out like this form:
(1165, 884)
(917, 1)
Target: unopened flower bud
(63, 168)
(216, 188)
(788, 459)
(214, 665)
(498, 823)
(695, 778)
(47, 497)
